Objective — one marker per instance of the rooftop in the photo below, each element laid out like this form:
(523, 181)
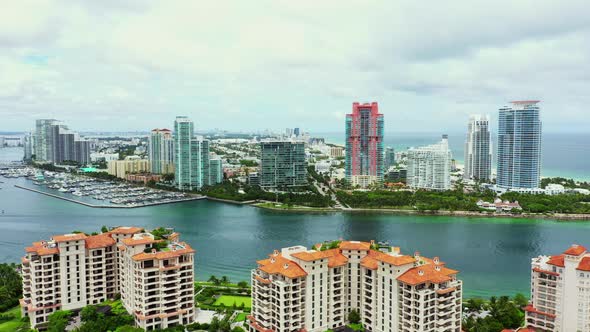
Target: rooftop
(69, 237)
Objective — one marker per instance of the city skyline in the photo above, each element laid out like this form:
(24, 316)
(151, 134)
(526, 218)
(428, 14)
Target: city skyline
(137, 62)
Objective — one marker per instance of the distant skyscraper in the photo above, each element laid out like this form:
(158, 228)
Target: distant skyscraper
(215, 170)
(364, 145)
(161, 151)
(296, 132)
(44, 139)
(429, 167)
(389, 157)
(282, 164)
(478, 149)
(191, 155)
(519, 145)
(28, 146)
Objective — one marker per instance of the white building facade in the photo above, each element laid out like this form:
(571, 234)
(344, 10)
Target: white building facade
(478, 149)
(429, 167)
(560, 285)
(314, 290)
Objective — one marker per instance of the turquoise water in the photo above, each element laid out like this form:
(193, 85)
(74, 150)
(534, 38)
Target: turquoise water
(493, 255)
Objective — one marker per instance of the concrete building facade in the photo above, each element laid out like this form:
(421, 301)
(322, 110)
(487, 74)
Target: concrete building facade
(282, 164)
(161, 151)
(478, 149)
(429, 167)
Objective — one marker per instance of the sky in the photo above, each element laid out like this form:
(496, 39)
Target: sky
(124, 65)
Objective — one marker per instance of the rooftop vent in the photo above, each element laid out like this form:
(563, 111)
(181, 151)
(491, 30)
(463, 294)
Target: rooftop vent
(286, 266)
(437, 268)
(436, 260)
(420, 272)
(153, 251)
(275, 252)
(272, 260)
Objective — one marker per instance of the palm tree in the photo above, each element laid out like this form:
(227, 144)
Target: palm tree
(224, 280)
(213, 279)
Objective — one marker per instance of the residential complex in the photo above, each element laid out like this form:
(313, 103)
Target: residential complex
(560, 285)
(297, 289)
(191, 156)
(55, 143)
(364, 145)
(519, 145)
(161, 151)
(389, 158)
(131, 165)
(282, 164)
(478, 149)
(215, 170)
(429, 167)
(71, 271)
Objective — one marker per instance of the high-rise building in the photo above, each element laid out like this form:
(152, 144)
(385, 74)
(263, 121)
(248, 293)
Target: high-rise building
(519, 145)
(364, 145)
(559, 292)
(389, 158)
(191, 156)
(44, 139)
(29, 143)
(429, 167)
(297, 289)
(296, 132)
(215, 170)
(478, 149)
(282, 164)
(161, 151)
(71, 271)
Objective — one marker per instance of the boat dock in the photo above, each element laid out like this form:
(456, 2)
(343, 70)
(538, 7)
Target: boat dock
(180, 200)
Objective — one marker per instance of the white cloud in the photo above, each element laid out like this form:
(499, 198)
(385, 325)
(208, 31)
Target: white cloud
(239, 65)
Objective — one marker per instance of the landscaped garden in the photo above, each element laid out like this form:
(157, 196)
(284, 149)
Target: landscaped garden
(11, 321)
(231, 300)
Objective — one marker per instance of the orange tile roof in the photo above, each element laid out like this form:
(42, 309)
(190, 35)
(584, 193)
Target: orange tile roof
(557, 260)
(145, 239)
(163, 254)
(575, 250)
(41, 249)
(334, 256)
(126, 230)
(429, 274)
(280, 265)
(584, 264)
(355, 245)
(545, 271)
(369, 262)
(69, 237)
(99, 241)
(532, 309)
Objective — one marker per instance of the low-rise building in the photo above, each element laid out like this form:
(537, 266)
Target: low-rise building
(144, 178)
(120, 168)
(71, 271)
(499, 206)
(297, 289)
(560, 285)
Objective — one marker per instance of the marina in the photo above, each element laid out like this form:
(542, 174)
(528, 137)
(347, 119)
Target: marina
(92, 192)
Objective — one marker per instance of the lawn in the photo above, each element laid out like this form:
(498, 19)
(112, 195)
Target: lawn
(14, 324)
(240, 317)
(229, 300)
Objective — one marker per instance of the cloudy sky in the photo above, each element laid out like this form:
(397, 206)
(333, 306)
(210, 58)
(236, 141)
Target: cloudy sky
(250, 65)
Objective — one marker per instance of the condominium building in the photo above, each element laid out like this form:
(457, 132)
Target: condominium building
(336, 151)
(364, 145)
(55, 143)
(44, 139)
(519, 145)
(389, 158)
(478, 149)
(71, 271)
(29, 145)
(560, 285)
(282, 164)
(161, 151)
(429, 167)
(297, 289)
(191, 156)
(215, 170)
(131, 165)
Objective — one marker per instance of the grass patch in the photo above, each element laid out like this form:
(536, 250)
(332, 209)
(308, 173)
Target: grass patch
(356, 327)
(229, 300)
(240, 317)
(15, 324)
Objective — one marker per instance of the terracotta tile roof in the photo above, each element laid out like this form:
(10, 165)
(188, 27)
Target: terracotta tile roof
(575, 250)
(584, 264)
(277, 264)
(99, 241)
(163, 254)
(334, 256)
(557, 260)
(545, 271)
(69, 237)
(355, 245)
(427, 273)
(369, 262)
(145, 239)
(126, 230)
(42, 249)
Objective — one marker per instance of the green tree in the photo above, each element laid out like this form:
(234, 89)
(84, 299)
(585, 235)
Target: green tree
(354, 317)
(225, 280)
(58, 321)
(89, 313)
(128, 328)
(243, 284)
(10, 286)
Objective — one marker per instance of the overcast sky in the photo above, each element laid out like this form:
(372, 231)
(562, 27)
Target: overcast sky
(251, 65)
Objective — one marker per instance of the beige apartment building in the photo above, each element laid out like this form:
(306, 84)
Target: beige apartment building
(71, 271)
(131, 165)
(297, 289)
(560, 292)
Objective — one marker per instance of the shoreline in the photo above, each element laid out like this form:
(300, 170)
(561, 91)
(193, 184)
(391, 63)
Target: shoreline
(109, 206)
